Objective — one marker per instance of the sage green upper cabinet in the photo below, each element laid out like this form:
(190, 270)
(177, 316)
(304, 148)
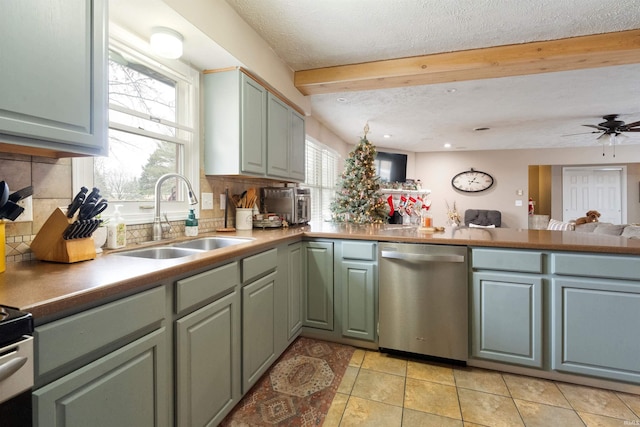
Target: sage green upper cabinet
(285, 141)
(249, 130)
(53, 77)
(235, 108)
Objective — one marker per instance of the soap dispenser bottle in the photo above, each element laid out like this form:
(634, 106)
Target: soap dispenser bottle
(191, 225)
(116, 230)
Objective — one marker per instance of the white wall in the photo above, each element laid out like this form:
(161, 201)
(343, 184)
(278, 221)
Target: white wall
(509, 169)
(221, 23)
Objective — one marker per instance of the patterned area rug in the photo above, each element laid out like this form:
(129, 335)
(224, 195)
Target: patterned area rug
(297, 390)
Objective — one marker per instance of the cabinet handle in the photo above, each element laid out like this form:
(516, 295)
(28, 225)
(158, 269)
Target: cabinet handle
(421, 257)
(9, 368)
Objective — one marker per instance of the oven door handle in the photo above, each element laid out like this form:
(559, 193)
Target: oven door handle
(406, 256)
(11, 367)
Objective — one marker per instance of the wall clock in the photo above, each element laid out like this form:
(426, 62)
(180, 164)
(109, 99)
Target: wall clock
(472, 181)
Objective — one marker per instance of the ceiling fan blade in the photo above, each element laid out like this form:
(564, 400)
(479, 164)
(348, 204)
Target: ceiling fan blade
(631, 125)
(633, 130)
(581, 133)
(596, 127)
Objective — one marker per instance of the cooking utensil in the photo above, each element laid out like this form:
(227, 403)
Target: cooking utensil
(94, 196)
(23, 193)
(91, 209)
(11, 210)
(4, 193)
(77, 202)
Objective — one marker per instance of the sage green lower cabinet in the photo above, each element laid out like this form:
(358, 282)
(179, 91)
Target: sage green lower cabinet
(358, 272)
(258, 331)
(595, 323)
(295, 300)
(207, 346)
(207, 368)
(506, 313)
(124, 388)
(105, 366)
(318, 284)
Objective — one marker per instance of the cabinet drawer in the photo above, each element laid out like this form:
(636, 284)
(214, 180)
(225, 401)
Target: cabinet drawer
(71, 338)
(605, 266)
(359, 250)
(259, 264)
(506, 260)
(204, 286)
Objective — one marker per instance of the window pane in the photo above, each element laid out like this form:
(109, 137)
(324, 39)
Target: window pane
(321, 176)
(139, 88)
(134, 164)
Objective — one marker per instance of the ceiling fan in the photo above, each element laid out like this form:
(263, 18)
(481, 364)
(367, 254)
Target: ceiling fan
(611, 127)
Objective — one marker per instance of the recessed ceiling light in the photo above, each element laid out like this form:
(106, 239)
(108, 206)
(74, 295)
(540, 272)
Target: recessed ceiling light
(341, 99)
(452, 90)
(447, 145)
(386, 136)
(481, 128)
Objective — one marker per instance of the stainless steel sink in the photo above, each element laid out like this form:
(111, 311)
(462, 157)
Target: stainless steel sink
(160, 252)
(210, 243)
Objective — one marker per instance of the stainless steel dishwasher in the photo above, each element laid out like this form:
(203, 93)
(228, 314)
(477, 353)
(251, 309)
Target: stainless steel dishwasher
(424, 299)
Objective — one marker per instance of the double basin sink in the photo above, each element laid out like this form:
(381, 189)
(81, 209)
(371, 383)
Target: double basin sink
(183, 249)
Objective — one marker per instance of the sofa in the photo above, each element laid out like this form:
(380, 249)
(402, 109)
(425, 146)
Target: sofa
(482, 218)
(630, 231)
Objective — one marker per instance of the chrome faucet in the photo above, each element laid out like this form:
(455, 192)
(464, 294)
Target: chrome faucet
(157, 226)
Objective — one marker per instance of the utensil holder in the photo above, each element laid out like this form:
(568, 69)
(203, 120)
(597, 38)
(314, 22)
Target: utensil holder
(48, 245)
(244, 218)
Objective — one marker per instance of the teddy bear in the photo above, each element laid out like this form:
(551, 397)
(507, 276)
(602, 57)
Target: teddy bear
(591, 216)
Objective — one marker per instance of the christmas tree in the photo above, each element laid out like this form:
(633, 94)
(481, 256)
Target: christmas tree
(358, 198)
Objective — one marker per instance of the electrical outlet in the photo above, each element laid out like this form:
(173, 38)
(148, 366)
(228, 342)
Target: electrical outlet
(27, 215)
(207, 200)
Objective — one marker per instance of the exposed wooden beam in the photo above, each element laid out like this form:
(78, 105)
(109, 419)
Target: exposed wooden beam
(574, 53)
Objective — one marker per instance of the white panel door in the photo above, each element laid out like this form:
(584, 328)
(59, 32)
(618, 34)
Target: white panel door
(592, 188)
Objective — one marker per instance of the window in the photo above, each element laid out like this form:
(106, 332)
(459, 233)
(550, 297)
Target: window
(153, 126)
(322, 173)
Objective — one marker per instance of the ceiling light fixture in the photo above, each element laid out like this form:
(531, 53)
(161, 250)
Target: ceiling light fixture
(166, 43)
(447, 145)
(341, 99)
(386, 136)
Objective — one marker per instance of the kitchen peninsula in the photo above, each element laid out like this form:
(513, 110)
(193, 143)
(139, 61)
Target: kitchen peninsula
(45, 289)
(533, 299)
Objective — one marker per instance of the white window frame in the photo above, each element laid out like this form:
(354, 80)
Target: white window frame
(328, 155)
(189, 86)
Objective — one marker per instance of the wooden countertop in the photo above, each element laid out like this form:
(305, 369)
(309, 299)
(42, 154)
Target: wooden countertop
(48, 289)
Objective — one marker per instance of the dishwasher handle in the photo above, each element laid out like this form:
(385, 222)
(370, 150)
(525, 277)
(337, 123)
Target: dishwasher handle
(407, 256)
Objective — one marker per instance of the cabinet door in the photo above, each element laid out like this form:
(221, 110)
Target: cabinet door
(294, 290)
(594, 325)
(125, 388)
(297, 147)
(208, 362)
(258, 329)
(277, 138)
(318, 285)
(358, 300)
(53, 75)
(253, 126)
(507, 318)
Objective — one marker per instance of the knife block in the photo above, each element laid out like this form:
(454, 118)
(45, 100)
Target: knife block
(48, 245)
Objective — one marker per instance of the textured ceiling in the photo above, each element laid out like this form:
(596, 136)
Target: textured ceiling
(522, 112)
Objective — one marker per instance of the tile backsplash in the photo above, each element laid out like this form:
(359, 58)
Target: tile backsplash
(52, 187)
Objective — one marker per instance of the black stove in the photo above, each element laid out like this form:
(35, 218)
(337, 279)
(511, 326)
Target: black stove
(14, 324)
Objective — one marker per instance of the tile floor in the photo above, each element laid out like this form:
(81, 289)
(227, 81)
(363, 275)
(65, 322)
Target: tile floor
(383, 390)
